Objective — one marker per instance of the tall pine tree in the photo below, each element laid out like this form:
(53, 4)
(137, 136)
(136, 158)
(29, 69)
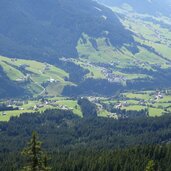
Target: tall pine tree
(36, 159)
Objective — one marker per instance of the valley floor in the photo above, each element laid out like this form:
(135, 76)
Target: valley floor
(149, 103)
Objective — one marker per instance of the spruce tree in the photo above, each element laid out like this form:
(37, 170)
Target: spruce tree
(36, 159)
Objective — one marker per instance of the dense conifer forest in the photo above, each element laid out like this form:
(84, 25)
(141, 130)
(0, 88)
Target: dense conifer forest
(90, 143)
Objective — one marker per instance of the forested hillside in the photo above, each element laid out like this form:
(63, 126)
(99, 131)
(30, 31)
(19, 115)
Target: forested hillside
(46, 30)
(75, 142)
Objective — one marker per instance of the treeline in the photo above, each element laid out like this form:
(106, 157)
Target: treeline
(139, 158)
(88, 108)
(144, 158)
(161, 79)
(92, 87)
(64, 129)
(9, 88)
(4, 107)
(130, 113)
(76, 72)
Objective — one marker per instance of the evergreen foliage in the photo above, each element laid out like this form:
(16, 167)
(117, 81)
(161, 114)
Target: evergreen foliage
(87, 143)
(88, 108)
(37, 160)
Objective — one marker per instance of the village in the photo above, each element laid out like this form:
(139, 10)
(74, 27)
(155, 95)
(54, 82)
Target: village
(157, 102)
(103, 69)
(34, 105)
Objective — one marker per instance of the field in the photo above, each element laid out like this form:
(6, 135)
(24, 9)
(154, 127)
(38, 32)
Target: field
(32, 75)
(153, 41)
(32, 106)
(103, 61)
(158, 103)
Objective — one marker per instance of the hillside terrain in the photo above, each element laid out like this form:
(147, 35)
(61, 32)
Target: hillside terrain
(106, 53)
(152, 7)
(85, 85)
(104, 50)
(34, 78)
(47, 30)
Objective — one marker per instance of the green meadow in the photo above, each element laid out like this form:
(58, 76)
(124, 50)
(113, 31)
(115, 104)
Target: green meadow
(32, 75)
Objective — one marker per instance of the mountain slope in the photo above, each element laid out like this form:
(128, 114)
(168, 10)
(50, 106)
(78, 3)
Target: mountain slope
(114, 49)
(9, 88)
(30, 78)
(45, 30)
(154, 7)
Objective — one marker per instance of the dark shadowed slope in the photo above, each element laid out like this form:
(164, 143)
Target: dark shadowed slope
(9, 88)
(45, 30)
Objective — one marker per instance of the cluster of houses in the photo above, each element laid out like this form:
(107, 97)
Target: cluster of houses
(156, 97)
(159, 96)
(122, 104)
(40, 104)
(52, 80)
(108, 74)
(111, 77)
(52, 103)
(4, 113)
(113, 115)
(18, 103)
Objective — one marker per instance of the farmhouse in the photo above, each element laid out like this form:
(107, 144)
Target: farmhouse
(4, 113)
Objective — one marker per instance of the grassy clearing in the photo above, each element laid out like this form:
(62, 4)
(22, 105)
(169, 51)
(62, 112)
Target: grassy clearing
(104, 53)
(134, 107)
(14, 113)
(137, 96)
(157, 107)
(61, 102)
(166, 99)
(71, 104)
(38, 73)
(155, 112)
(150, 34)
(10, 71)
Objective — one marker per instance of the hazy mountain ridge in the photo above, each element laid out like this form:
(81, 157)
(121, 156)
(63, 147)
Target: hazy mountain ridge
(153, 7)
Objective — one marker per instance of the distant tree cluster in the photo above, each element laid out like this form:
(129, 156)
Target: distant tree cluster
(88, 108)
(4, 107)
